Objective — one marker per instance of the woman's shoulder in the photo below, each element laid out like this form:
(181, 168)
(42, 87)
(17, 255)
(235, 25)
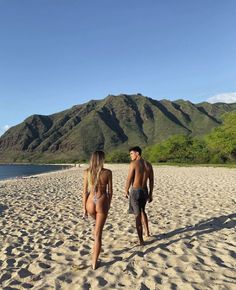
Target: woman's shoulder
(108, 171)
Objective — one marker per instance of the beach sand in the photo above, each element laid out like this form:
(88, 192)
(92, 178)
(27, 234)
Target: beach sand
(45, 243)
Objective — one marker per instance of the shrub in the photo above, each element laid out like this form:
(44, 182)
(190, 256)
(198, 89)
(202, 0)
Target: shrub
(118, 157)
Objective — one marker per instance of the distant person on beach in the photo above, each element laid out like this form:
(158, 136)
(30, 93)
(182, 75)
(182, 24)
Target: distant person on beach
(140, 172)
(97, 195)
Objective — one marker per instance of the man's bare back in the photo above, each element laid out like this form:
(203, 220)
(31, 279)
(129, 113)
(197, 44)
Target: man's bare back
(140, 172)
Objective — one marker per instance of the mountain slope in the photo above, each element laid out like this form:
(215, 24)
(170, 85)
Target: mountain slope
(116, 122)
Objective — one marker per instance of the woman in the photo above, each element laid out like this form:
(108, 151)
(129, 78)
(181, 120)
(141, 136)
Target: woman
(97, 195)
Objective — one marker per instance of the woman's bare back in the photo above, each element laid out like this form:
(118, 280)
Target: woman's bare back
(99, 200)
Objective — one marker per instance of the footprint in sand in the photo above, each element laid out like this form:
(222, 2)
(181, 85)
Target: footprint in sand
(24, 273)
(102, 282)
(66, 277)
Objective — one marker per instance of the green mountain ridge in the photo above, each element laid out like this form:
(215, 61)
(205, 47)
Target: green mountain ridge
(115, 122)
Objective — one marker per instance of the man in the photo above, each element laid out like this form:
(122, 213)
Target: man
(140, 171)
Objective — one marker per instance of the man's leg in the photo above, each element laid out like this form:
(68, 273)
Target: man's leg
(139, 228)
(145, 223)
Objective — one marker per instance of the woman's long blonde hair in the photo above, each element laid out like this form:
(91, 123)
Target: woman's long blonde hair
(95, 167)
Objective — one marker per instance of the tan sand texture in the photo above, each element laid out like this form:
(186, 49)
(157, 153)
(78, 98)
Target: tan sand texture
(45, 244)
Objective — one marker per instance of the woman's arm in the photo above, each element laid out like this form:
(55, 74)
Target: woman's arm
(110, 187)
(85, 191)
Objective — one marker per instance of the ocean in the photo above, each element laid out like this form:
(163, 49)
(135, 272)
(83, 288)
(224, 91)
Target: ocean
(8, 171)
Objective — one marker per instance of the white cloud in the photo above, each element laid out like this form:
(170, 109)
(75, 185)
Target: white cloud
(223, 98)
(6, 127)
(3, 129)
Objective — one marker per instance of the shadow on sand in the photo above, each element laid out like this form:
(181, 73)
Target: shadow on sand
(2, 208)
(187, 233)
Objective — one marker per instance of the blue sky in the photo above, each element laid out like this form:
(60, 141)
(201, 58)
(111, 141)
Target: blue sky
(58, 53)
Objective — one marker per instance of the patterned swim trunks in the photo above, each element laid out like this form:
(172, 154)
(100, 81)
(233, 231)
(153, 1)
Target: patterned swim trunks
(137, 200)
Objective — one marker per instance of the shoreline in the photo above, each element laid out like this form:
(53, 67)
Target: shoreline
(107, 165)
(67, 167)
(78, 164)
(16, 163)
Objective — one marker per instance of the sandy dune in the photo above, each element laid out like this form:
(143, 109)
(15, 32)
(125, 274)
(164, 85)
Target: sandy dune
(45, 244)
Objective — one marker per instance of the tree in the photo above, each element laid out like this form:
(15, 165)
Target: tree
(118, 157)
(222, 140)
(178, 149)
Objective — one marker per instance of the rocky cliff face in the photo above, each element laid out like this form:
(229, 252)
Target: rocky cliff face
(115, 122)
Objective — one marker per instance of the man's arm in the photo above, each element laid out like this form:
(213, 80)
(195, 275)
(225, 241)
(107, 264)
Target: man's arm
(129, 179)
(151, 184)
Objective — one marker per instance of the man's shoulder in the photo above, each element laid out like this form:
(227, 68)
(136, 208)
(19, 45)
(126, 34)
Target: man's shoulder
(134, 163)
(148, 164)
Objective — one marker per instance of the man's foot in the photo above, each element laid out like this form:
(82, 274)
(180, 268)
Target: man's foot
(136, 243)
(147, 235)
(141, 243)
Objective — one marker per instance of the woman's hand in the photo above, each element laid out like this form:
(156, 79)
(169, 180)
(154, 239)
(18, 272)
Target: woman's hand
(85, 214)
(109, 200)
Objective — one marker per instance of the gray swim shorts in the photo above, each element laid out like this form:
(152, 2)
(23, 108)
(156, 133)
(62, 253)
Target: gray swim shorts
(137, 200)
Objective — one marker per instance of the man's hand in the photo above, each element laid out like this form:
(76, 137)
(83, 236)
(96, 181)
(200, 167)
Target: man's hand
(150, 199)
(127, 194)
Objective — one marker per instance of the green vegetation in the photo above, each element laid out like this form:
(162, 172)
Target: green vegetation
(217, 147)
(118, 157)
(222, 141)
(178, 149)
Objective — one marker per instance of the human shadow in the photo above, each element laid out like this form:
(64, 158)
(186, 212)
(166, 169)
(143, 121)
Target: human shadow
(208, 226)
(187, 233)
(2, 208)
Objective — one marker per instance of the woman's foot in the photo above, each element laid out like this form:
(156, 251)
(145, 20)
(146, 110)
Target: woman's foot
(96, 265)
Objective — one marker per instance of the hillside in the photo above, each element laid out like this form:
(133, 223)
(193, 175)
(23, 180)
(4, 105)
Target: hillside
(116, 122)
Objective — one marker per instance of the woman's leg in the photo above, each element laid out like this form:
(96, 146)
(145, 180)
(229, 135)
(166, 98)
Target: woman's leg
(100, 221)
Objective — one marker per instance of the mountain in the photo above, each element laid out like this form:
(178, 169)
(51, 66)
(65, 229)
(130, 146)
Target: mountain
(116, 122)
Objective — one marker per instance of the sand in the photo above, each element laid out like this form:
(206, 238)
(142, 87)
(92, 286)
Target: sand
(45, 243)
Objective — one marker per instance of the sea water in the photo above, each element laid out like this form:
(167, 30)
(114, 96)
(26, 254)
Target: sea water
(8, 171)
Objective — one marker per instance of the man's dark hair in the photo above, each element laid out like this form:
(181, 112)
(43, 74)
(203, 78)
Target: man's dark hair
(136, 149)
